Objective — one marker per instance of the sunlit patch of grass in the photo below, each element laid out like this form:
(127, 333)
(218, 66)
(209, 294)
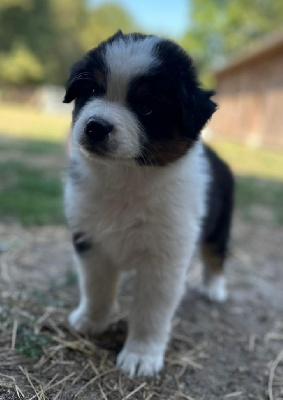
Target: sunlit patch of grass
(259, 180)
(27, 122)
(245, 160)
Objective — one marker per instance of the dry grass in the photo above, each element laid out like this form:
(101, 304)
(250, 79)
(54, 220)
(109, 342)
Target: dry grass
(77, 368)
(232, 351)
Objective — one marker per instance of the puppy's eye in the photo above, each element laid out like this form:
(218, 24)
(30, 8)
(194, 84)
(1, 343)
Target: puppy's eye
(145, 108)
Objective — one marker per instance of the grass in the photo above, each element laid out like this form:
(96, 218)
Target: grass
(31, 344)
(259, 199)
(29, 123)
(259, 180)
(41, 147)
(30, 206)
(245, 160)
(29, 195)
(30, 182)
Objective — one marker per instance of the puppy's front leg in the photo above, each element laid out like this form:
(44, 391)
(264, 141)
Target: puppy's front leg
(98, 282)
(158, 290)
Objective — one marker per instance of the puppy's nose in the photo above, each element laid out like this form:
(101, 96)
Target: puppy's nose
(97, 128)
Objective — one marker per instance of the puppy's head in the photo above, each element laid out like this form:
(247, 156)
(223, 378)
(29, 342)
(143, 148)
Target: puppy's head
(137, 98)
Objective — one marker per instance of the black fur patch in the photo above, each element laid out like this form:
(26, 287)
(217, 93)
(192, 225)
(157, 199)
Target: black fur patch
(170, 106)
(88, 78)
(177, 67)
(217, 224)
(81, 244)
(154, 101)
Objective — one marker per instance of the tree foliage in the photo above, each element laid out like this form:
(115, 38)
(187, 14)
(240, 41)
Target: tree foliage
(103, 22)
(39, 39)
(19, 66)
(222, 28)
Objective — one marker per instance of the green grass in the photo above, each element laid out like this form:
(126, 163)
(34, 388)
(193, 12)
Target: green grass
(31, 344)
(31, 164)
(41, 147)
(259, 180)
(27, 122)
(260, 199)
(29, 195)
(29, 146)
(30, 190)
(245, 160)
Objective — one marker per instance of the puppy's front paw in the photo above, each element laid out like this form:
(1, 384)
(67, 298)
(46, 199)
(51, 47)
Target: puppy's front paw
(140, 364)
(82, 323)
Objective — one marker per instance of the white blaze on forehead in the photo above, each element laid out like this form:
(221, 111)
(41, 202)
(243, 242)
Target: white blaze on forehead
(125, 59)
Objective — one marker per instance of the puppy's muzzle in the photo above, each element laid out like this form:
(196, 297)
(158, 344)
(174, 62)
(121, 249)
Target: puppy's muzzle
(97, 130)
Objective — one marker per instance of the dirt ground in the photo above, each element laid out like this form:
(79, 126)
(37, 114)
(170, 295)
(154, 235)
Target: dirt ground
(228, 351)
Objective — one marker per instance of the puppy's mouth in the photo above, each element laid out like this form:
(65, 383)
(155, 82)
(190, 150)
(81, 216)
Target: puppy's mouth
(103, 150)
(104, 155)
(100, 150)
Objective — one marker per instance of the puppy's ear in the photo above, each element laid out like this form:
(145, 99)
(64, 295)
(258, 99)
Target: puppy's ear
(116, 36)
(197, 108)
(80, 81)
(118, 33)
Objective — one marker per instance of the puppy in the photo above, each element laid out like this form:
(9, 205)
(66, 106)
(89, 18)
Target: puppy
(142, 189)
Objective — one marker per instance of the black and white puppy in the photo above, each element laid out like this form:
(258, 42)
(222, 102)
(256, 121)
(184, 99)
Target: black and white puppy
(142, 190)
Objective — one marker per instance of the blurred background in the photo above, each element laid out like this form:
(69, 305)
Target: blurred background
(237, 47)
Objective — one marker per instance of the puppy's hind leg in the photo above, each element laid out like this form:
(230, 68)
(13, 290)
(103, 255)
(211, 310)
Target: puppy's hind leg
(214, 280)
(213, 253)
(98, 282)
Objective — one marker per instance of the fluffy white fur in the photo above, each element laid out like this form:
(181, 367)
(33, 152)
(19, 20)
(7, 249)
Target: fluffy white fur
(137, 58)
(126, 138)
(142, 218)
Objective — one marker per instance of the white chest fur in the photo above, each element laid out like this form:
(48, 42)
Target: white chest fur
(130, 210)
(143, 218)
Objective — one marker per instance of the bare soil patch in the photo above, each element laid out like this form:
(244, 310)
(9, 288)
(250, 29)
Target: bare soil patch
(229, 351)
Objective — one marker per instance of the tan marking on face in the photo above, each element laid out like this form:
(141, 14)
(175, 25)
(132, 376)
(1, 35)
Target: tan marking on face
(161, 153)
